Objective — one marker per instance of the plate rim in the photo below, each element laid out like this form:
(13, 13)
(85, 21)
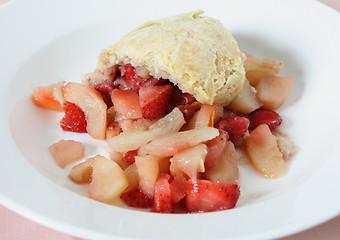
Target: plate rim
(52, 223)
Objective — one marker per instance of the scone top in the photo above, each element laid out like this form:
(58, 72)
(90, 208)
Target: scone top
(196, 53)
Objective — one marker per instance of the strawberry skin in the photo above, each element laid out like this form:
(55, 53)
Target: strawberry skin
(74, 118)
(130, 156)
(180, 98)
(235, 126)
(260, 116)
(105, 89)
(162, 197)
(208, 196)
(137, 198)
(215, 149)
(133, 80)
(178, 188)
(126, 103)
(154, 100)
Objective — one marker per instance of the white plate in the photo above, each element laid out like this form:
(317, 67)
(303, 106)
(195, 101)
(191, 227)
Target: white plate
(47, 41)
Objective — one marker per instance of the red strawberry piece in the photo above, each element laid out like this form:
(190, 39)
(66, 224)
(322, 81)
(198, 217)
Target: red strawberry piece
(129, 72)
(153, 81)
(162, 197)
(180, 98)
(154, 100)
(74, 118)
(137, 198)
(133, 80)
(208, 196)
(215, 149)
(178, 188)
(43, 97)
(260, 116)
(126, 103)
(130, 156)
(121, 83)
(236, 126)
(105, 90)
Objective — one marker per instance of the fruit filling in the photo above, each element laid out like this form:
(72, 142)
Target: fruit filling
(135, 94)
(167, 151)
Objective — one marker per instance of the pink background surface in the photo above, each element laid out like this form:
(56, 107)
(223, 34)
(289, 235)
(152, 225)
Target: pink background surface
(16, 227)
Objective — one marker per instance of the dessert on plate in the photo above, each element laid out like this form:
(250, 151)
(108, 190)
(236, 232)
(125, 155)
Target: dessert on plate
(177, 101)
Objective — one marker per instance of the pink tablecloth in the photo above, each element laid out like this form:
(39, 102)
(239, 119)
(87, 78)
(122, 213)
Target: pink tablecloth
(15, 227)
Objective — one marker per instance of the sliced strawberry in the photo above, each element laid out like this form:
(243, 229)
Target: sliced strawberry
(260, 116)
(207, 196)
(162, 197)
(215, 148)
(43, 97)
(130, 156)
(178, 188)
(105, 90)
(180, 98)
(129, 72)
(135, 82)
(132, 79)
(121, 83)
(154, 100)
(235, 126)
(126, 103)
(74, 118)
(137, 198)
(151, 81)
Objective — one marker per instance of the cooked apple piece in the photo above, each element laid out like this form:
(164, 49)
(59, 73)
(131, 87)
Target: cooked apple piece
(111, 115)
(206, 116)
(126, 103)
(215, 149)
(226, 168)
(58, 92)
(178, 188)
(118, 158)
(134, 139)
(246, 100)
(67, 151)
(92, 104)
(190, 161)
(148, 170)
(81, 173)
(128, 124)
(43, 97)
(285, 144)
(173, 143)
(272, 91)
(111, 132)
(256, 68)
(108, 179)
(264, 153)
(146, 123)
(133, 124)
(172, 122)
(131, 173)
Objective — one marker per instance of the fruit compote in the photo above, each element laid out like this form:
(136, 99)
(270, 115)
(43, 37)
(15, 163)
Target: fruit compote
(167, 150)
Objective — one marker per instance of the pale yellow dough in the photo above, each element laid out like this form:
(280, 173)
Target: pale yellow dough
(196, 53)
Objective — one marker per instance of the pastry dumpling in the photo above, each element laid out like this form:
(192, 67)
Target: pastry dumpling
(194, 52)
